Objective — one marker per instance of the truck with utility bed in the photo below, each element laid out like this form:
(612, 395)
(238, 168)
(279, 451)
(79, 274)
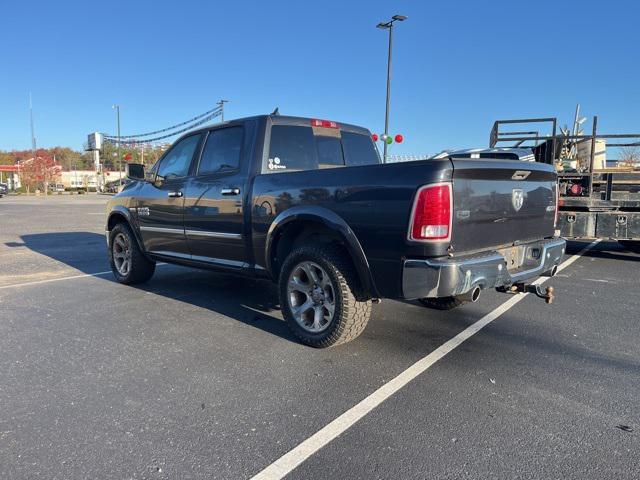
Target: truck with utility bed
(594, 203)
(308, 204)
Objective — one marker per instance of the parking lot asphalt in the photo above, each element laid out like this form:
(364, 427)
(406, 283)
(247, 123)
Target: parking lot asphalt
(194, 374)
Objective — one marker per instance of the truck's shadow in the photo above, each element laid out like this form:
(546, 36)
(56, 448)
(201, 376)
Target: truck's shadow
(247, 300)
(250, 301)
(84, 251)
(255, 302)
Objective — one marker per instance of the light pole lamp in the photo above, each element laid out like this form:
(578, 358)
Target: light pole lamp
(221, 103)
(389, 26)
(117, 108)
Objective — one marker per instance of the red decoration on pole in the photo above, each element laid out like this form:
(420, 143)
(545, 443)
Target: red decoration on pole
(399, 138)
(375, 137)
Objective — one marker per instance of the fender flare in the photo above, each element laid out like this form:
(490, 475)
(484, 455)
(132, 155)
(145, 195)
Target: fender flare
(331, 220)
(122, 211)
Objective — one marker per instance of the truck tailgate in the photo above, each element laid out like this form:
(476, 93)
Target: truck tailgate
(501, 202)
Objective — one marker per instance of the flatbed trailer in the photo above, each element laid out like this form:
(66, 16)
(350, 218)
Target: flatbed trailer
(593, 203)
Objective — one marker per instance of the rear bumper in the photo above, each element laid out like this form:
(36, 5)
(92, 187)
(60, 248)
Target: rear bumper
(455, 276)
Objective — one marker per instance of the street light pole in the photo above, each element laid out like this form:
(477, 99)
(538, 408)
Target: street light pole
(117, 107)
(389, 26)
(34, 148)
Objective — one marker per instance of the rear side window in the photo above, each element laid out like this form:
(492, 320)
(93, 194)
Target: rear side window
(292, 149)
(359, 149)
(221, 153)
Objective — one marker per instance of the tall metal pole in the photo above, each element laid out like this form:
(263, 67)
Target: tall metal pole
(33, 136)
(117, 107)
(386, 114)
(34, 149)
(389, 26)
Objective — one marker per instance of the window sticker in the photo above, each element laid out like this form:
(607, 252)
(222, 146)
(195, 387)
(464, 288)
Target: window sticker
(274, 164)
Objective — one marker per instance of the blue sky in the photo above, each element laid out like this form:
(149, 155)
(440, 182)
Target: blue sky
(457, 65)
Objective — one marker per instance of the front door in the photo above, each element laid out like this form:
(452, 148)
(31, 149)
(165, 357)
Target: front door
(214, 209)
(160, 204)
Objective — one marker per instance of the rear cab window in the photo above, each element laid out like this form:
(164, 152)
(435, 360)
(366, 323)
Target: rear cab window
(295, 148)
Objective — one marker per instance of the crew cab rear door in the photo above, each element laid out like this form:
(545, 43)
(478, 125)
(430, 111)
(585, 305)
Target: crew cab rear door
(215, 198)
(501, 202)
(160, 203)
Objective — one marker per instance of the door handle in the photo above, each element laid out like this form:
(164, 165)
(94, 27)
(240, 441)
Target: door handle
(174, 194)
(230, 191)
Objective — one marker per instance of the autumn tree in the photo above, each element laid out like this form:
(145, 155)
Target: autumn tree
(38, 172)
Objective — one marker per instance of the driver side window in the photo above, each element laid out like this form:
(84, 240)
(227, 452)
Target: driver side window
(176, 162)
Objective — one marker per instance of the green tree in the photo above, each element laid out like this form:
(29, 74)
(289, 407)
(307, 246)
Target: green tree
(6, 158)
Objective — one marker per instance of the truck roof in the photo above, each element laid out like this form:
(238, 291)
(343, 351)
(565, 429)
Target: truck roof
(283, 120)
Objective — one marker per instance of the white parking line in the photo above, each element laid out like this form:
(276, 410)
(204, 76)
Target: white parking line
(59, 279)
(292, 459)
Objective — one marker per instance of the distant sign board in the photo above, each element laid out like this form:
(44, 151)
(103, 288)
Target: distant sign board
(95, 141)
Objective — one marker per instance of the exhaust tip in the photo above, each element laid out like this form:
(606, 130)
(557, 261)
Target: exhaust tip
(475, 294)
(471, 296)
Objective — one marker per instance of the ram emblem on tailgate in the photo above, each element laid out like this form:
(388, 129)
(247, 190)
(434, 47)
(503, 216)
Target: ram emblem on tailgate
(517, 198)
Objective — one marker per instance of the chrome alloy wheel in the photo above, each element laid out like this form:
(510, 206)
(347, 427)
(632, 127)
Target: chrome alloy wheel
(311, 297)
(122, 254)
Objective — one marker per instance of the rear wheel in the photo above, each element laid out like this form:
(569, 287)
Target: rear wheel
(319, 296)
(631, 245)
(443, 303)
(128, 263)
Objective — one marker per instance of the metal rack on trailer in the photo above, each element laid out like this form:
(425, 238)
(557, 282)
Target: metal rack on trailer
(593, 202)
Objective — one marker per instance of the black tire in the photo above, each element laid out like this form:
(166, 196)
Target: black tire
(141, 268)
(351, 307)
(631, 245)
(443, 303)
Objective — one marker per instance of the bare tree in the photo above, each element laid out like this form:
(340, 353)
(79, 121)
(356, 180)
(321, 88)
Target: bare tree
(629, 157)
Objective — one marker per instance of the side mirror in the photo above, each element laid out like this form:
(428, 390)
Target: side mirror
(135, 171)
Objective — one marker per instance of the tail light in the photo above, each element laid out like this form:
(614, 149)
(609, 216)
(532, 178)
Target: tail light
(324, 124)
(431, 214)
(575, 189)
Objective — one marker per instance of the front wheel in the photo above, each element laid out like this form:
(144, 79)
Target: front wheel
(319, 296)
(128, 263)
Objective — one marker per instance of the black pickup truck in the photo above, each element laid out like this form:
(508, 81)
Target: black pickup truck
(308, 204)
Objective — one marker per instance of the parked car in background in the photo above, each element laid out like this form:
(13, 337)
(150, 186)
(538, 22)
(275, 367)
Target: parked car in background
(4, 189)
(116, 186)
(308, 204)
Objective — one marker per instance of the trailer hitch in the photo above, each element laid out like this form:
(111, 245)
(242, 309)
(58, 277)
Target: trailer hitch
(538, 290)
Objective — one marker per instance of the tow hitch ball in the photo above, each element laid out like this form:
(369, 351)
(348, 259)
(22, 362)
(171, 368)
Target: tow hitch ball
(538, 290)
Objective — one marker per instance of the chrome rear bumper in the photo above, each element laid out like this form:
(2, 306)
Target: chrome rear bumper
(449, 277)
